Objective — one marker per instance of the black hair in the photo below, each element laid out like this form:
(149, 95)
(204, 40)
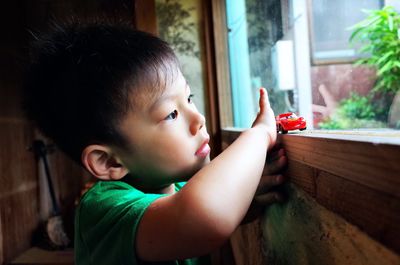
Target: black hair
(82, 78)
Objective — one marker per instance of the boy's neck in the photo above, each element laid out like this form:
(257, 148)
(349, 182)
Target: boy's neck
(168, 190)
(164, 190)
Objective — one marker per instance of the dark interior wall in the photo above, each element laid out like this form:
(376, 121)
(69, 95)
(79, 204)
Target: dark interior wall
(18, 177)
(23, 191)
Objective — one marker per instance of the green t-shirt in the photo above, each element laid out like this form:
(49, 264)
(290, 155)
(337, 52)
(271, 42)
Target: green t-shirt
(106, 222)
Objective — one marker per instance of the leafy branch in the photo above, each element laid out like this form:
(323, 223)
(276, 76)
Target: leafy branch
(380, 35)
(176, 28)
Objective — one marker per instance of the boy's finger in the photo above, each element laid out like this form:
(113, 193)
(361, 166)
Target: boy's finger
(273, 167)
(275, 154)
(264, 93)
(268, 182)
(268, 198)
(262, 102)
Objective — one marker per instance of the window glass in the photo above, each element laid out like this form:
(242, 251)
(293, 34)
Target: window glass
(178, 23)
(254, 28)
(276, 44)
(330, 23)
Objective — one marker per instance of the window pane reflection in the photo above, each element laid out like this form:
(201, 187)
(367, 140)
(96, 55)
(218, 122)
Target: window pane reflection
(301, 52)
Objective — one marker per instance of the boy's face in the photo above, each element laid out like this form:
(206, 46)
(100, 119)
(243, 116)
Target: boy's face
(168, 137)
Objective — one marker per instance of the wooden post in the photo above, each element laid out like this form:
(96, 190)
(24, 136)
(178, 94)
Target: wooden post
(145, 16)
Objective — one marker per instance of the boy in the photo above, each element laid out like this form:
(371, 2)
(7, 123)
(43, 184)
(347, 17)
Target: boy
(115, 100)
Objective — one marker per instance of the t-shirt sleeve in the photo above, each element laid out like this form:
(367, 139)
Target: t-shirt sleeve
(107, 222)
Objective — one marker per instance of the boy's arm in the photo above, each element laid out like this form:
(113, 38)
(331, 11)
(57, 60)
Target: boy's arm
(200, 217)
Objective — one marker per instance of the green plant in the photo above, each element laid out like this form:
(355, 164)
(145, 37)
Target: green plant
(379, 34)
(331, 124)
(357, 107)
(356, 111)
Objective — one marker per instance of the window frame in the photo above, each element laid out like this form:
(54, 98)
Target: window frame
(306, 168)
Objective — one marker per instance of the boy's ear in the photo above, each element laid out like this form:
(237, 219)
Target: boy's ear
(102, 163)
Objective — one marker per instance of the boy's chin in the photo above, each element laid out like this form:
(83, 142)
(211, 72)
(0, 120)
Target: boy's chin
(189, 169)
(189, 173)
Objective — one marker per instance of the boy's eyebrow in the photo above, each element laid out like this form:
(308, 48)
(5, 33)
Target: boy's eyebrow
(165, 97)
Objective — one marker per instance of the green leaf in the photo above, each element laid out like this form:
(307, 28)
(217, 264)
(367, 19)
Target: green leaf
(385, 57)
(385, 68)
(356, 33)
(390, 21)
(379, 35)
(397, 64)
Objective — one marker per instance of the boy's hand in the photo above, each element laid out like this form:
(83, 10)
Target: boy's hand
(271, 178)
(266, 117)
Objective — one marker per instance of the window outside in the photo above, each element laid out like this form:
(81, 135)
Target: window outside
(335, 63)
(178, 23)
(330, 22)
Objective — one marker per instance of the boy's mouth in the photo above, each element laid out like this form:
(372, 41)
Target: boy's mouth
(204, 149)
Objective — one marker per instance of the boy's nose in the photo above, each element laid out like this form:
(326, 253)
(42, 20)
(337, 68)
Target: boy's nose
(197, 122)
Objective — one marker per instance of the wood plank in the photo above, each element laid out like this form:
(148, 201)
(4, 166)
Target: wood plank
(19, 220)
(145, 16)
(17, 164)
(300, 231)
(374, 212)
(1, 241)
(38, 256)
(211, 91)
(222, 63)
(375, 136)
(247, 244)
(360, 181)
(373, 165)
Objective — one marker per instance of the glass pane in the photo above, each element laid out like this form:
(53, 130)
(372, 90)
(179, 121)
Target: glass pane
(270, 45)
(254, 28)
(178, 23)
(331, 21)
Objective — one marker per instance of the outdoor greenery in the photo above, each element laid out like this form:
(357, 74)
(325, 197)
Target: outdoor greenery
(357, 107)
(176, 28)
(379, 35)
(263, 33)
(354, 112)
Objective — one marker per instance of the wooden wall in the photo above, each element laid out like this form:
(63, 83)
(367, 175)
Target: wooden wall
(18, 174)
(343, 204)
(24, 199)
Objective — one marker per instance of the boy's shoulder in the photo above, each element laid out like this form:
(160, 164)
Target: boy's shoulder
(110, 201)
(107, 193)
(102, 190)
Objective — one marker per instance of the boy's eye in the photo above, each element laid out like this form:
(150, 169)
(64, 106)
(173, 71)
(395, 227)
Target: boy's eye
(172, 116)
(190, 98)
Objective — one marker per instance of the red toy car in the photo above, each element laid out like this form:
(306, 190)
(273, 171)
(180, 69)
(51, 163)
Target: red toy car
(290, 121)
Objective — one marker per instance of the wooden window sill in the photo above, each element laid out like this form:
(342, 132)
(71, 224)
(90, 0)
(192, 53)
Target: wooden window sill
(355, 174)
